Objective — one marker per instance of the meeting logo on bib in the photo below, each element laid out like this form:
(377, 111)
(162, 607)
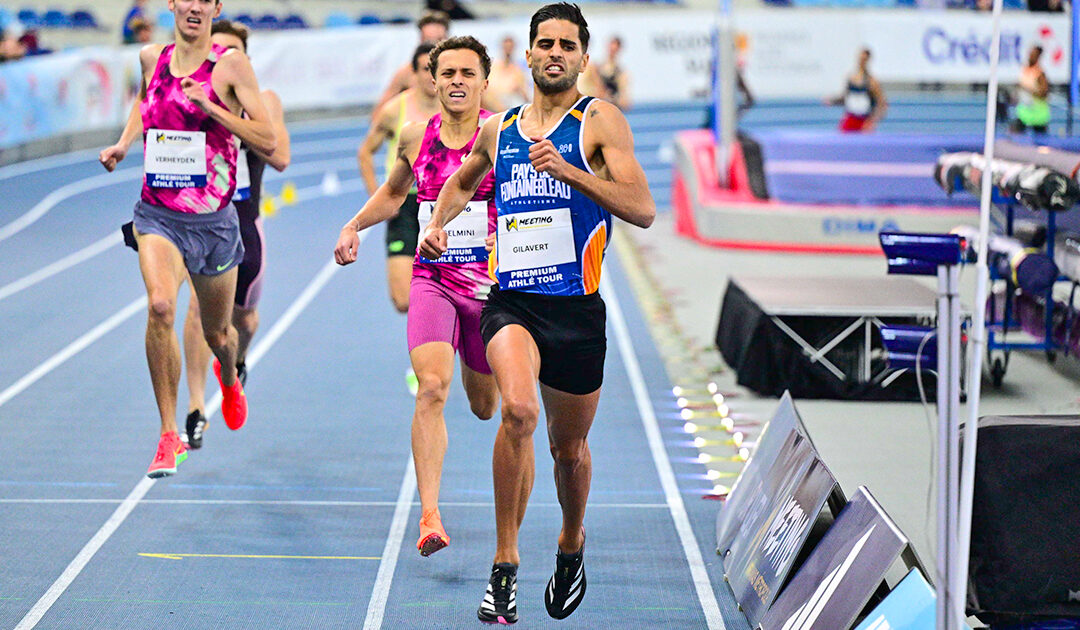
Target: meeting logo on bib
(173, 138)
(518, 223)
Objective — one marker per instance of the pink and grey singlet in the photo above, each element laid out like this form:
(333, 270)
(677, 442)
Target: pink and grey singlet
(189, 165)
(190, 159)
(464, 266)
(447, 295)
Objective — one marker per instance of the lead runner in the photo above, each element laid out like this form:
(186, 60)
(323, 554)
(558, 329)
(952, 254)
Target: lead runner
(563, 165)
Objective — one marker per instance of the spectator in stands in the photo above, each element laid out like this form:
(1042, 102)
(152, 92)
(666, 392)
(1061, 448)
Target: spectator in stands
(137, 11)
(11, 47)
(608, 80)
(507, 80)
(1032, 110)
(433, 27)
(863, 99)
(142, 30)
(452, 8)
(1052, 6)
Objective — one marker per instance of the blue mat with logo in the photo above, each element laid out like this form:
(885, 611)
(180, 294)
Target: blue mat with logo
(865, 169)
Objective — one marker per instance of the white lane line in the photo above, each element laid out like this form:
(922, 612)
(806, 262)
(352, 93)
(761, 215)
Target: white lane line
(63, 193)
(90, 155)
(311, 168)
(72, 349)
(663, 465)
(381, 591)
(308, 193)
(322, 147)
(85, 554)
(302, 502)
(52, 161)
(135, 496)
(93, 182)
(66, 262)
(294, 310)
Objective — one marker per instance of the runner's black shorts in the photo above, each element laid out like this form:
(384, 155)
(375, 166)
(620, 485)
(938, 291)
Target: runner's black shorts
(569, 330)
(403, 230)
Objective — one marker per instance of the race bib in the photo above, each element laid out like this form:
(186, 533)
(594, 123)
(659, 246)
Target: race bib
(243, 177)
(465, 234)
(531, 240)
(858, 103)
(175, 159)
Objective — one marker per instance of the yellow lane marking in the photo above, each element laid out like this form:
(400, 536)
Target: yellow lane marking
(181, 556)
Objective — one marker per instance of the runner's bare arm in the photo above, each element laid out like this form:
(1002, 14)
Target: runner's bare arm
(881, 104)
(398, 84)
(378, 132)
(233, 71)
(282, 155)
(459, 189)
(387, 199)
(111, 156)
(1042, 86)
(626, 193)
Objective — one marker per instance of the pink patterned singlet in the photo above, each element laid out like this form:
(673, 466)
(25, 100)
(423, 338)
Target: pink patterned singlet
(190, 159)
(464, 267)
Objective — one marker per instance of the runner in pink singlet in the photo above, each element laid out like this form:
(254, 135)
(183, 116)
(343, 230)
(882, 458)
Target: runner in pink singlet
(167, 117)
(446, 295)
(464, 269)
(185, 227)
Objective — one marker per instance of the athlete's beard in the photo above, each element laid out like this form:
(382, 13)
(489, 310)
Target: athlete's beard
(548, 86)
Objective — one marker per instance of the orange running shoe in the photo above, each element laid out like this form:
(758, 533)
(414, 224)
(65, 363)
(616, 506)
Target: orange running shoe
(233, 401)
(171, 452)
(432, 535)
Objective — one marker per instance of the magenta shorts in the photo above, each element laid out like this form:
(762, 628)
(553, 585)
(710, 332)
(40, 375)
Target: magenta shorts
(438, 314)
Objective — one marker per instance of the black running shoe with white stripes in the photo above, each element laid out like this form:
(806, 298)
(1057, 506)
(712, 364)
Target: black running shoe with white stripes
(500, 600)
(196, 424)
(566, 588)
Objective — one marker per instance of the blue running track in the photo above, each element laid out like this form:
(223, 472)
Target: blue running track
(305, 518)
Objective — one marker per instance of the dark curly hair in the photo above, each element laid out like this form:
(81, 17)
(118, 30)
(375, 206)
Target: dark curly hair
(455, 43)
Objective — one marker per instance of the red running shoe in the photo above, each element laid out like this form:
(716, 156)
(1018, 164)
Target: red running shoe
(171, 452)
(432, 535)
(233, 401)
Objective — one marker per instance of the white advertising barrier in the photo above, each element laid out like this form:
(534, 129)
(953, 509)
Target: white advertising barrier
(330, 68)
(787, 53)
(809, 53)
(947, 46)
(69, 92)
(667, 56)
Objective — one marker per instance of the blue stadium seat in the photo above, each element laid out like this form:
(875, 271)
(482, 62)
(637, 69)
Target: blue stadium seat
(337, 20)
(1013, 4)
(83, 19)
(293, 21)
(399, 19)
(245, 19)
(54, 18)
(166, 19)
(29, 18)
(268, 21)
(369, 18)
